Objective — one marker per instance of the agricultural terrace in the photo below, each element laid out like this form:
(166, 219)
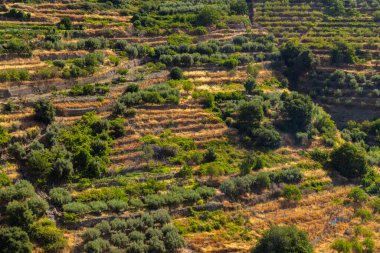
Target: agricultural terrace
(189, 126)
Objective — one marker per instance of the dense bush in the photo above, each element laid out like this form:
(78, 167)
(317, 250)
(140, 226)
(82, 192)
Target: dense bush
(13, 239)
(208, 16)
(297, 58)
(349, 160)
(283, 239)
(176, 73)
(59, 196)
(65, 24)
(343, 52)
(44, 111)
(18, 15)
(48, 235)
(266, 137)
(249, 115)
(239, 7)
(296, 111)
(292, 193)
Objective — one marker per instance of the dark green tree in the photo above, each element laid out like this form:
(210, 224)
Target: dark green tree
(176, 73)
(298, 59)
(44, 111)
(283, 239)
(349, 160)
(239, 7)
(296, 111)
(343, 52)
(250, 115)
(208, 16)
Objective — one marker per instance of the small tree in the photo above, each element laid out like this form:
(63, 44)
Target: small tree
(44, 111)
(296, 111)
(266, 137)
(176, 73)
(297, 58)
(283, 239)
(349, 160)
(208, 16)
(249, 115)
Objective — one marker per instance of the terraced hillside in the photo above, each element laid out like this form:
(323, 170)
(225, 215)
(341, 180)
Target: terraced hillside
(333, 27)
(176, 126)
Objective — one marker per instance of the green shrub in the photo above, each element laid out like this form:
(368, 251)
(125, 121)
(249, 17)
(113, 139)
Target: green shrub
(283, 239)
(341, 245)
(91, 234)
(76, 208)
(120, 240)
(96, 246)
(358, 195)
(176, 73)
(48, 235)
(292, 193)
(266, 137)
(13, 239)
(349, 160)
(59, 196)
(343, 52)
(364, 214)
(116, 205)
(19, 214)
(44, 111)
(207, 16)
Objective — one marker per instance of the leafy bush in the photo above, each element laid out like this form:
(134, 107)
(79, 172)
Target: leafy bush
(297, 58)
(59, 196)
(116, 205)
(283, 239)
(358, 195)
(249, 115)
(176, 73)
(48, 235)
(91, 234)
(349, 160)
(13, 239)
(76, 208)
(207, 16)
(296, 111)
(20, 215)
(96, 246)
(44, 111)
(266, 137)
(343, 52)
(292, 193)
